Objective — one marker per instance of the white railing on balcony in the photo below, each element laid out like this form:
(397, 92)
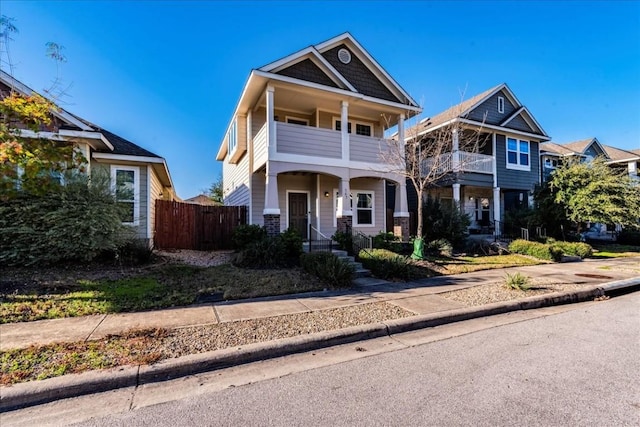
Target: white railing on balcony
(367, 149)
(467, 162)
(260, 152)
(474, 162)
(308, 141)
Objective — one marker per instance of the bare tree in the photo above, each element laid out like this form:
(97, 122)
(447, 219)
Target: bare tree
(434, 152)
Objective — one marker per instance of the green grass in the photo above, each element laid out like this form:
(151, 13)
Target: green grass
(53, 360)
(159, 287)
(467, 264)
(615, 251)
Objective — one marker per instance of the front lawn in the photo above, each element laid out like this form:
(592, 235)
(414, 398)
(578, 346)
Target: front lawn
(468, 264)
(615, 251)
(33, 295)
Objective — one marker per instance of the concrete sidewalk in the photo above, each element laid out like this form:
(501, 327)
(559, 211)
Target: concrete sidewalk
(420, 297)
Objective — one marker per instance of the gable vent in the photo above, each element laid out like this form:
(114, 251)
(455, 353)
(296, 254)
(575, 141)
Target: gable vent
(344, 56)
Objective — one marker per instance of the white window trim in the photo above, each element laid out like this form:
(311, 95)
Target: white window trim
(232, 136)
(136, 189)
(501, 104)
(353, 126)
(516, 166)
(354, 218)
(300, 119)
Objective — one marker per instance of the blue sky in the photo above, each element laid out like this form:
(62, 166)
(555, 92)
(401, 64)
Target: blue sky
(167, 75)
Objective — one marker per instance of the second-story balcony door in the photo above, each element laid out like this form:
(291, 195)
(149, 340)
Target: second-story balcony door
(298, 213)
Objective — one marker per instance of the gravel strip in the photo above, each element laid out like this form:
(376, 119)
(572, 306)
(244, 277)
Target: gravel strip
(496, 292)
(197, 258)
(184, 341)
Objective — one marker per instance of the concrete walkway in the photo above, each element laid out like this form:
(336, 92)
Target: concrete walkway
(420, 297)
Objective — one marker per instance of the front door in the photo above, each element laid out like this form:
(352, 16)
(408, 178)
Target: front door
(298, 213)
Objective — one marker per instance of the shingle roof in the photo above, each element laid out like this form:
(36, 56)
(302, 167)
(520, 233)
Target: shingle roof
(552, 147)
(616, 154)
(120, 145)
(579, 146)
(458, 110)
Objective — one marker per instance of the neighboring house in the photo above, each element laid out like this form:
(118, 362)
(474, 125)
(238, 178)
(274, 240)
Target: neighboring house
(553, 154)
(202, 199)
(303, 145)
(502, 174)
(142, 177)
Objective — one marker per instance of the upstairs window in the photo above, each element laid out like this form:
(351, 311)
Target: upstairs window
(232, 137)
(364, 129)
(297, 121)
(500, 105)
(518, 154)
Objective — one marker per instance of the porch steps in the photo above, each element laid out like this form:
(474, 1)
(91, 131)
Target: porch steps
(360, 271)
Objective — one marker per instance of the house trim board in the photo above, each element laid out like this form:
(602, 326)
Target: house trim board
(149, 172)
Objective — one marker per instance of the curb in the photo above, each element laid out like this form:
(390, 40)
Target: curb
(39, 392)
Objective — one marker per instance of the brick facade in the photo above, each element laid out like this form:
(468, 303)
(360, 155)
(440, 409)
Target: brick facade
(345, 224)
(401, 228)
(272, 224)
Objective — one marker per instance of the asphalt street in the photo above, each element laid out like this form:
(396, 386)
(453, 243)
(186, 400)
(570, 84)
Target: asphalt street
(578, 367)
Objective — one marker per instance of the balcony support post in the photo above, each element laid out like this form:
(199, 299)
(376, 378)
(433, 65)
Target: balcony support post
(456, 193)
(496, 207)
(271, 124)
(344, 130)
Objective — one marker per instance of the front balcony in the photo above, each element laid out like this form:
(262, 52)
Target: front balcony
(461, 161)
(308, 144)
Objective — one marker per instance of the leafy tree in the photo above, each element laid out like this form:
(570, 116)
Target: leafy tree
(27, 160)
(595, 192)
(215, 192)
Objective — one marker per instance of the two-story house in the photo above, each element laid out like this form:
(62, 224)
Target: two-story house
(303, 146)
(502, 172)
(552, 154)
(138, 176)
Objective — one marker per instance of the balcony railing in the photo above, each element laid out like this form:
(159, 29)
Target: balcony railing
(308, 141)
(466, 162)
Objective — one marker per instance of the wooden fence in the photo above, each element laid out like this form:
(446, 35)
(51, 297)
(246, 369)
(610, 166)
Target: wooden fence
(190, 226)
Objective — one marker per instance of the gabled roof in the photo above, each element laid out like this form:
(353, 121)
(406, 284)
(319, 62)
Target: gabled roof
(318, 55)
(579, 148)
(553, 148)
(105, 144)
(462, 110)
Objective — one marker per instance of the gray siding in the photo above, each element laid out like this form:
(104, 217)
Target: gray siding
(258, 119)
(308, 141)
(490, 108)
(519, 123)
(307, 70)
(516, 179)
(257, 199)
(359, 75)
(236, 182)
(476, 179)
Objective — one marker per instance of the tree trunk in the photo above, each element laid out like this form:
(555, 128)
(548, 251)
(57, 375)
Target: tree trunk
(419, 219)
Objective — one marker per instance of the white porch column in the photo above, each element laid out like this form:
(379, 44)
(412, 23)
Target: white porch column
(456, 193)
(271, 124)
(271, 205)
(455, 154)
(344, 130)
(633, 169)
(496, 204)
(344, 197)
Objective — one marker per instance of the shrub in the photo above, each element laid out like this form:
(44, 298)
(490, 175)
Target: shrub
(135, 252)
(629, 237)
(345, 241)
(440, 246)
(291, 245)
(328, 268)
(385, 264)
(445, 221)
(535, 249)
(517, 281)
(483, 247)
(244, 235)
(389, 241)
(580, 249)
(76, 222)
(282, 250)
